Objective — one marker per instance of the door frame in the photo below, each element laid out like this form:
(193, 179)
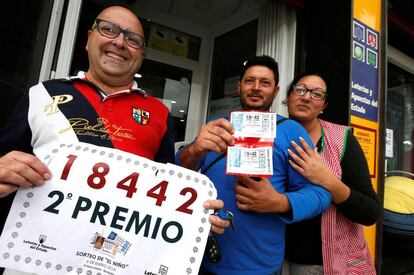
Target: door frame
(51, 40)
(400, 59)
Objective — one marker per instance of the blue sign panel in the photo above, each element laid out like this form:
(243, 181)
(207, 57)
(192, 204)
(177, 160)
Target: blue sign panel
(364, 92)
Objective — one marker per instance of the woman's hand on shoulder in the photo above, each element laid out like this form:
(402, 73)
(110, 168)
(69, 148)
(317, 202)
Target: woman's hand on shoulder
(309, 164)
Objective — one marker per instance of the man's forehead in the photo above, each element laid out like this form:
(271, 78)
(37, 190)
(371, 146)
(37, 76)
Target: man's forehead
(259, 72)
(121, 17)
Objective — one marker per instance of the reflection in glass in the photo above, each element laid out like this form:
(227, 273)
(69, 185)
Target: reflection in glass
(171, 85)
(24, 31)
(398, 216)
(400, 118)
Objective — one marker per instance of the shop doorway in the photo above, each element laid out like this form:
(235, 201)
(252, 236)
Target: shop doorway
(398, 222)
(180, 41)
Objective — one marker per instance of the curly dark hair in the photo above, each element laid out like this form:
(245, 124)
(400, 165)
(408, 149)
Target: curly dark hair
(263, 60)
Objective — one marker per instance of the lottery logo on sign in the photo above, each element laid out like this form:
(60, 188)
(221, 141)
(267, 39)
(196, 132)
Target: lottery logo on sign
(358, 51)
(372, 39)
(42, 238)
(371, 58)
(163, 270)
(359, 32)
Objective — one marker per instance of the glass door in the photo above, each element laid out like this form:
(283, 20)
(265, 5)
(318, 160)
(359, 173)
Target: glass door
(398, 222)
(25, 29)
(171, 85)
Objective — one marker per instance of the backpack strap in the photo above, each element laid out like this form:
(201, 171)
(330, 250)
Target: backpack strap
(218, 158)
(222, 155)
(281, 120)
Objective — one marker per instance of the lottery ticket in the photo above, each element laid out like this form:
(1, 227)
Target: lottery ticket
(250, 161)
(254, 124)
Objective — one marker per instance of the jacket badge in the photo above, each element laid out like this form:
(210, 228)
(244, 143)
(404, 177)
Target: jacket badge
(141, 116)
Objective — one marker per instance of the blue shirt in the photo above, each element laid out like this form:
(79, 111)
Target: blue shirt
(257, 245)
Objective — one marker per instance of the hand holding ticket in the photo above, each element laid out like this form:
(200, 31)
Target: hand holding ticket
(252, 153)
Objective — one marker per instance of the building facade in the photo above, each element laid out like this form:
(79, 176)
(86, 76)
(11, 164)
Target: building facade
(194, 52)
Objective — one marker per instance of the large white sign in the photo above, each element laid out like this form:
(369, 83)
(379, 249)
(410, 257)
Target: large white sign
(108, 212)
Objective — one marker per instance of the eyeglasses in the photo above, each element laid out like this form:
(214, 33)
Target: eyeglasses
(110, 30)
(316, 94)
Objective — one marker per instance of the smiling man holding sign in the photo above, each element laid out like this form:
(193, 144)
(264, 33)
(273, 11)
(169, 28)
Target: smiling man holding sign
(106, 203)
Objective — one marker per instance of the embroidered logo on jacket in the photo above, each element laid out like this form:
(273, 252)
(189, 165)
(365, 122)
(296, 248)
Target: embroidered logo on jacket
(141, 116)
(102, 129)
(53, 107)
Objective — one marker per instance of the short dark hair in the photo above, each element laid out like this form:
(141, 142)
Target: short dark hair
(298, 77)
(263, 60)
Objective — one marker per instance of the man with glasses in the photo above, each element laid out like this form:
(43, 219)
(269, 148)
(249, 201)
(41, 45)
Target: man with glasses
(260, 206)
(103, 106)
(100, 106)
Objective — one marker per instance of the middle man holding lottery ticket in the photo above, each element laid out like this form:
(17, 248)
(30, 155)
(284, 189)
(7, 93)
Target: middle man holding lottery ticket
(246, 157)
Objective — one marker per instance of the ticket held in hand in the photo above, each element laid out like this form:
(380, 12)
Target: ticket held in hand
(252, 153)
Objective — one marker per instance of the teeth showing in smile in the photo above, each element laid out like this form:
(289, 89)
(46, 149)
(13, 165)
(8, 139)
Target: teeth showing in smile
(115, 56)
